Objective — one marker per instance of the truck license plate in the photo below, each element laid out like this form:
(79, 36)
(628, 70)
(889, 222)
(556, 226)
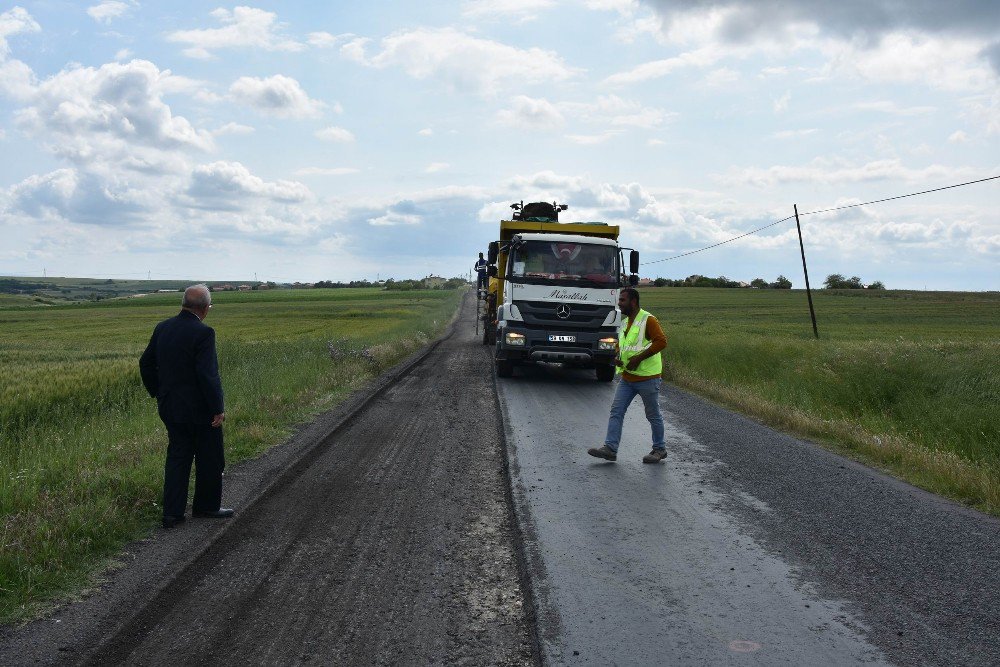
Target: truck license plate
(562, 339)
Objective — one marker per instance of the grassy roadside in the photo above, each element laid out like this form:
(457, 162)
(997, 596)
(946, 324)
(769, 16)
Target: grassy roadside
(906, 381)
(81, 448)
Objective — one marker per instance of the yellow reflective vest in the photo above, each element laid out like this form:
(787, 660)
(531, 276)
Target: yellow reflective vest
(633, 342)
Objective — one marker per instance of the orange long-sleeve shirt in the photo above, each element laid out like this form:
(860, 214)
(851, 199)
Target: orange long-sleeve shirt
(658, 340)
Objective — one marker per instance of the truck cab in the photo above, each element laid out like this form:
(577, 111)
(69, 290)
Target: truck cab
(555, 286)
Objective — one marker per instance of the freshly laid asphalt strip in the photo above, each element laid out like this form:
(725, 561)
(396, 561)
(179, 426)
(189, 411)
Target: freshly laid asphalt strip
(394, 545)
(746, 547)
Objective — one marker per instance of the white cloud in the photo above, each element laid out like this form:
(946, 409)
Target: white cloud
(947, 63)
(781, 104)
(16, 79)
(426, 132)
(889, 107)
(13, 22)
(592, 139)
(608, 111)
(614, 111)
(233, 128)
(123, 54)
(326, 171)
(463, 62)
(114, 113)
(435, 167)
(108, 10)
(984, 109)
(530, 113)
(335, 134)
(656, 69)
(656, 142)
(231, 181)
(958, 137)
(354, 49)
(243, 27)
(325, 40)
(829, 172)
(891, 43)
(276, 95)
(393, 219)
(518, 10)
(721, 77)
(72, 195)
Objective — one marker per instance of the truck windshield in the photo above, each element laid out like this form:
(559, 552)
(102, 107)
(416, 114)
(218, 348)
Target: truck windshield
(564, 263)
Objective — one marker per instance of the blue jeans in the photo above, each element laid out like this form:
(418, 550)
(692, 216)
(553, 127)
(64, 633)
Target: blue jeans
(649, 390)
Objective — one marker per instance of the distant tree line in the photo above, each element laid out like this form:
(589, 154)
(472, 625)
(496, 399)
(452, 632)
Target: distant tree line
(353, 283)
(837, 281)
(399, 285)
(781, 282)
(426, 283)
(15, 286)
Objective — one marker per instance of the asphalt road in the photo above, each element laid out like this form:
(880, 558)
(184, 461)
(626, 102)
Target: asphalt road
(402, 539)
(746, 547)
(392, 544)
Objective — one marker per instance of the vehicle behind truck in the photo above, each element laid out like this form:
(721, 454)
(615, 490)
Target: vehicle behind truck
(553, 291)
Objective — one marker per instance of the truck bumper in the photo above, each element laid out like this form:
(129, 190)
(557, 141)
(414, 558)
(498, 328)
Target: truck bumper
(583, 351)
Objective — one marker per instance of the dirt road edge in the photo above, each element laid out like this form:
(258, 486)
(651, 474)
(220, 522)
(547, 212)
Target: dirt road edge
(79, 629)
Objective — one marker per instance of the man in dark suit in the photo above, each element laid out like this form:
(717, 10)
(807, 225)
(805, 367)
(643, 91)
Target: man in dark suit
(180, 369)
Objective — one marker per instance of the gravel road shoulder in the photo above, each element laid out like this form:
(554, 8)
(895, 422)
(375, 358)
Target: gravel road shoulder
(391, 544)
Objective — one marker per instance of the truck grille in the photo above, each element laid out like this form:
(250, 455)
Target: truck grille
(581, 315)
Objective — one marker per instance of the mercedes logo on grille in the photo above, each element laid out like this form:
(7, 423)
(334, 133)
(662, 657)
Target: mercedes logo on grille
(562, 311)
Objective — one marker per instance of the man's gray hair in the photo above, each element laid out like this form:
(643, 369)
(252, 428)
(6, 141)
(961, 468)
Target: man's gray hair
(197, 296)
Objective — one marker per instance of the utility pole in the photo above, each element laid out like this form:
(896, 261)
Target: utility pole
(805, 271)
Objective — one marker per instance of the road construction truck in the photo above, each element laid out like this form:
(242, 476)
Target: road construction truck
(553, 291)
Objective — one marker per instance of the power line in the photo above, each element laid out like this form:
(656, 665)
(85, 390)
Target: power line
(716, 245)
(912, 194)
(825, 210)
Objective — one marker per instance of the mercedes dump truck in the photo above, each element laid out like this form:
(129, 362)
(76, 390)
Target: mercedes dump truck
(553, 291)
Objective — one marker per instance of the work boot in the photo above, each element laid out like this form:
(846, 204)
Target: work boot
(603, 452)
(655, 456)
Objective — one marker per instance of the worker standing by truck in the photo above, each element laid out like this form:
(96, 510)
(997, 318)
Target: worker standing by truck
(482, 266)
(640, 341)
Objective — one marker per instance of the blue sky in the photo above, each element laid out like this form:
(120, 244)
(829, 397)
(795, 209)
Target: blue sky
(307, 141)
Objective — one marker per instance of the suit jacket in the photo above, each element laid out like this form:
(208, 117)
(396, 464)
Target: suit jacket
(181, 370)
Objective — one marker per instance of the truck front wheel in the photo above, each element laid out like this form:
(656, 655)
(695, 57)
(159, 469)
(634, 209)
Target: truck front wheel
(505, 368)
(605, 372)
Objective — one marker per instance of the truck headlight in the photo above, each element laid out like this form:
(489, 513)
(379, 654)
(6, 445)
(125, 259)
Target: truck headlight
(607, 344)
(513, 338)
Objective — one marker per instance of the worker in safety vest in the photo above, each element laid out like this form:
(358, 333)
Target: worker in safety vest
(482, 269)
(640, 340)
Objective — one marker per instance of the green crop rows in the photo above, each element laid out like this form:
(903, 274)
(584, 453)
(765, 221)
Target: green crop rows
(908, 381)
(81, 448)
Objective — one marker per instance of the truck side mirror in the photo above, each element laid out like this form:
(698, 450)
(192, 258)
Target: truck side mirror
(633, 279)
(633, 261)
(494, 251)
(491, 270)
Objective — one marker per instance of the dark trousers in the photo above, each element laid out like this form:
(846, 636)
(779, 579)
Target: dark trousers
(483, 279)
(202, 445)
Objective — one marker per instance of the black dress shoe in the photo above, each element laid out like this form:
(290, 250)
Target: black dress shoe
(171, 521)
(221, 513)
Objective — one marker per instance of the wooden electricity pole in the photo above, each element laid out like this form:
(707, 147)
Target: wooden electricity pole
(805, 271)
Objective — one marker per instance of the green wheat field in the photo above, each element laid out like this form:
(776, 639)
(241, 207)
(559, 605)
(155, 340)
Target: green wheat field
(906, 381)
(81, 447)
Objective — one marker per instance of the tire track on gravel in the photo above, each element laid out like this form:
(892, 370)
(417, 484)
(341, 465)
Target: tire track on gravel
(393, 546)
